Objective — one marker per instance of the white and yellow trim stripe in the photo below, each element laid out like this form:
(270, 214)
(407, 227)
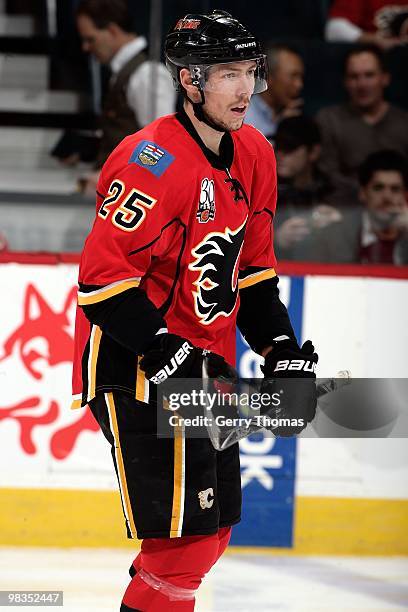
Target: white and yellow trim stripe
(177, 514)
(76, 401)
(94, 342)
(106, 292)
(127, 508)
(142, 384)
(256, 277)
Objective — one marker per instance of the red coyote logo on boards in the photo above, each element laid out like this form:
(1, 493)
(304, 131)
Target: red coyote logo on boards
(35, 366)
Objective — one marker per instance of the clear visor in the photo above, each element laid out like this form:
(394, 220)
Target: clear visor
(242, 77)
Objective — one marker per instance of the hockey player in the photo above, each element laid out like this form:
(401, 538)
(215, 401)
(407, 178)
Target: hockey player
(180, 251)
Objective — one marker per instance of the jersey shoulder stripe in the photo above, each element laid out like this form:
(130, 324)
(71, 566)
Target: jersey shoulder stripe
(93, 296)
(253, 275)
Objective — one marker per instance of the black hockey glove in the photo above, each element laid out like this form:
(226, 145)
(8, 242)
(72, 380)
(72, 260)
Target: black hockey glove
(291, 372)
(174, 356)
(171, 356)
(219, 370)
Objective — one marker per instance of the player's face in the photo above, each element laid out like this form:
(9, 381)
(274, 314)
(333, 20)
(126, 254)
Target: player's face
(95, 41)
(228, 90)
(385, 195)
(364, 80)
(286, 81)
(292, 163)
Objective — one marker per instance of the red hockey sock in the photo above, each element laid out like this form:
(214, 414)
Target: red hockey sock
(179, 562)
(224, 535)
(136, 564)
(140, 596)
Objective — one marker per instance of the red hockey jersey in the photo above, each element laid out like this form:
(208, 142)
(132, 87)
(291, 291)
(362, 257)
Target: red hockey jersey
(173, 220)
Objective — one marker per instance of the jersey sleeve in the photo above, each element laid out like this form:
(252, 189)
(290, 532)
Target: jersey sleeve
(261, 314)
(258, 260)
(133, 207)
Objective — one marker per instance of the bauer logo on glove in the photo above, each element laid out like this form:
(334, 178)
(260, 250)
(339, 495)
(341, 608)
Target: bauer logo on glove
(171, 355)
(176, 361)
(295, 364)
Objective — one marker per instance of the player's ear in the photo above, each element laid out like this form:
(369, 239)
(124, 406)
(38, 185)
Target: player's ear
(113, 29)
(186, 83)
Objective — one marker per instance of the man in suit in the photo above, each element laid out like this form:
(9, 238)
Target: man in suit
(105, 28)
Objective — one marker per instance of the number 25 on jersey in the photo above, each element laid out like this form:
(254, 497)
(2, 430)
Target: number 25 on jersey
(130, 208)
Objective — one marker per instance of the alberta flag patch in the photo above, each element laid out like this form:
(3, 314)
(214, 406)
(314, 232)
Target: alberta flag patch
(150, 156)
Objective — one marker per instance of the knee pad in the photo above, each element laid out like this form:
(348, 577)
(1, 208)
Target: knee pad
(181, 561)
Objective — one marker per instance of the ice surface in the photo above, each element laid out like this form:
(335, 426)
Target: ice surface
(96, 579)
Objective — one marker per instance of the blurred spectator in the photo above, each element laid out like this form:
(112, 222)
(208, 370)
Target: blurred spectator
(367, 122)
(377, 232)
(4, 247)
(307, 198)
(105, 29)
(285, 82)
(381, 22)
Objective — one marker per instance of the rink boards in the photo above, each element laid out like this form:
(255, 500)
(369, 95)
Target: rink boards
(314, 495)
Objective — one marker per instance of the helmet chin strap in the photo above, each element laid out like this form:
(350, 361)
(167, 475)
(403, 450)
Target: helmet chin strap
(201, 114)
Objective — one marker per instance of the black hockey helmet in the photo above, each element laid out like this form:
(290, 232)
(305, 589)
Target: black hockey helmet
(200, 41)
